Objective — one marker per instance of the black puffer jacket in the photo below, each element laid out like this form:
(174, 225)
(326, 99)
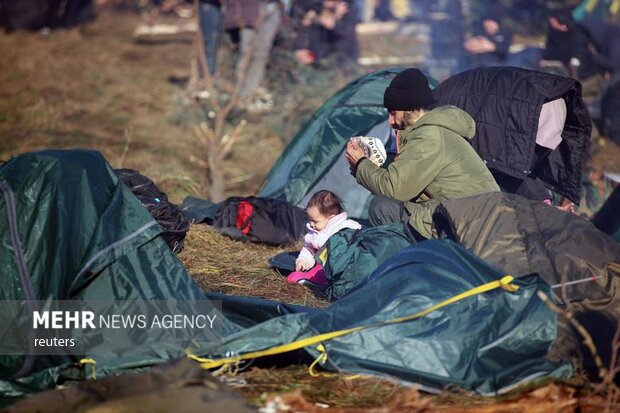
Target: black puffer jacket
(506, 102)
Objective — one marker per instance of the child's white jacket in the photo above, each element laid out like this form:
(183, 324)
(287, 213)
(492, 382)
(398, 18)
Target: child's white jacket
(314, 240)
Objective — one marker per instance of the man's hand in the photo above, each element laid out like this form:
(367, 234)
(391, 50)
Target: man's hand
(309, 18)
(479, 44)
(341, 9)
(567, 206)
(354, 153)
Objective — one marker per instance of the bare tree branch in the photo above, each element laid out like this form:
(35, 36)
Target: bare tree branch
(587, 338)
(212, 135)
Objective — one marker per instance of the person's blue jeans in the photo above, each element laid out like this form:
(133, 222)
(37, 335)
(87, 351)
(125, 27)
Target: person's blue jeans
(256, 46)
(210, 19)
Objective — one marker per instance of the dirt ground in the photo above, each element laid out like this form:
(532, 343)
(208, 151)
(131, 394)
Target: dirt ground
(97, 88)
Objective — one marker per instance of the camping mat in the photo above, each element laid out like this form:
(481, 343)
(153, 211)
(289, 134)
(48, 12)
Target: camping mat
(284, 261)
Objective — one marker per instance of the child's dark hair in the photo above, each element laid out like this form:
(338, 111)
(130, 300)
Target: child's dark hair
(327, 203)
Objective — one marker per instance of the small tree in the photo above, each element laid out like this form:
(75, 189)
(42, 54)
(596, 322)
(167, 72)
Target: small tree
(215, 132)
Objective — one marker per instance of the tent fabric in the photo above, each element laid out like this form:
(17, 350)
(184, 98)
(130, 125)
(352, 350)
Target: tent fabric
(581, 263)
(350, 256)
(82, 236)
(356, 110)
(485, 343)
(520, 237)
(506, 103)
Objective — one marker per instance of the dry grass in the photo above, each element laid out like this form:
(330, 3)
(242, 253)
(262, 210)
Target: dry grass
(292, 389)
(221, 264)
(95, 87)
(91, 88)
(335, 391)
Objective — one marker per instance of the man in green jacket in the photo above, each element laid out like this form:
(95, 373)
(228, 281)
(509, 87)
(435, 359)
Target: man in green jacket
(435, 161)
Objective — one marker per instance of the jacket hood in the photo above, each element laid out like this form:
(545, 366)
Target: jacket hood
(337, 221)
(449, 117)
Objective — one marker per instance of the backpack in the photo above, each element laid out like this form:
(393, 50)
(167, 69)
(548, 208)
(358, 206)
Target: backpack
(167, 214)
(266, 220)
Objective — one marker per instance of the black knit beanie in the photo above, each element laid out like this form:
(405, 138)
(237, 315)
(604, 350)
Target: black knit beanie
(408, 90)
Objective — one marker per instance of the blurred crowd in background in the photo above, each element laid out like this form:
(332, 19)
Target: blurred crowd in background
(582, 37)
(578, 38)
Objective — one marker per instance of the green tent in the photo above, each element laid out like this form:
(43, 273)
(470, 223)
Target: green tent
(314, 158)
(71, 231)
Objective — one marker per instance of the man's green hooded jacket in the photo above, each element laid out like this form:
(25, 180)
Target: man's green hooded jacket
(435, 163)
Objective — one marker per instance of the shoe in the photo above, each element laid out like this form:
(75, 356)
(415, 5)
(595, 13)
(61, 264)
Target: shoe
(317, 288)
(261, 102)
(316, 275)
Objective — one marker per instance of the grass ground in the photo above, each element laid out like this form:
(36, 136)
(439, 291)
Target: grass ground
(96, 88)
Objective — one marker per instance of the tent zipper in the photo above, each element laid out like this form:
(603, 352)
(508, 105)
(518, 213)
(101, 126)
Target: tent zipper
(111, 247)
(18, 249)
(22, 268)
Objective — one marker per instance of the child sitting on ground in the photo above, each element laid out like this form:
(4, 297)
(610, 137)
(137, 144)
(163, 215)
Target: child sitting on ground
(327, 216)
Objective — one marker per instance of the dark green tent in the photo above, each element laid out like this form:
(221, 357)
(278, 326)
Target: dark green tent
(70, 230)
(314, 159)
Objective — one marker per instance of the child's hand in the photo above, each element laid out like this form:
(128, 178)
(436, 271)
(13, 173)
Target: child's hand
(301, 266)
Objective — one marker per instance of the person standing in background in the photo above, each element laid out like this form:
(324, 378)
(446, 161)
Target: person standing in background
(210, 19)
(256, 23)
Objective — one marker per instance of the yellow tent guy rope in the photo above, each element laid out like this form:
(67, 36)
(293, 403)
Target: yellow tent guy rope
(504, 283)
(322, 359)
(94, 363)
